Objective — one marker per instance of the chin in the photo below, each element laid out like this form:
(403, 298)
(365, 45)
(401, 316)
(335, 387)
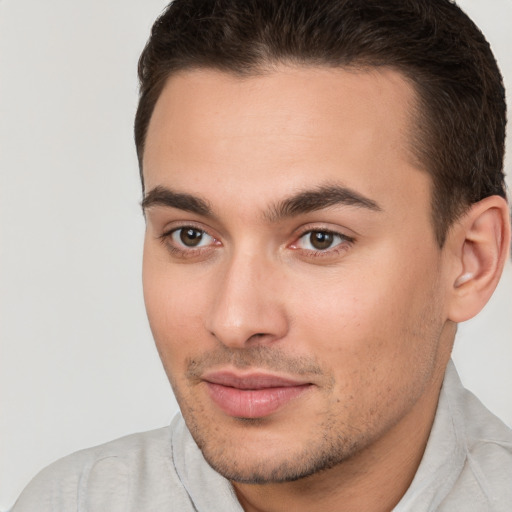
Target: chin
(272, 462)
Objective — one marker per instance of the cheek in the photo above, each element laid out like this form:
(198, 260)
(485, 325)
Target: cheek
(175, 309)
(378, 340)
(378, 316)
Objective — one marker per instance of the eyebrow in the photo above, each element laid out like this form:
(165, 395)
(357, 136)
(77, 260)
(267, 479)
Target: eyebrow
(304, 202)
(318, 199)
(163, 196)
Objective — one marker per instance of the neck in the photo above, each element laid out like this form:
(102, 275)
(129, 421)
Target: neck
(373, 480)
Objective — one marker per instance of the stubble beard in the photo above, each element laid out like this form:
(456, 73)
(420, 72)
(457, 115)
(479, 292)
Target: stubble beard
(330, 447)
(328, 444)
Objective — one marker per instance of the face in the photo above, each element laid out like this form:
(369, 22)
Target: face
(292, 280)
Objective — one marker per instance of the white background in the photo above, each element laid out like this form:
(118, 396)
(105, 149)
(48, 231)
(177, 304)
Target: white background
(77, 363)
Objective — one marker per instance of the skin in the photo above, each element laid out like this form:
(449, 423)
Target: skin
(365, 322)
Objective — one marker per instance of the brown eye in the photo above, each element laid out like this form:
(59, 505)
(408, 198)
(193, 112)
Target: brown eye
(321, 240)
(191, 237)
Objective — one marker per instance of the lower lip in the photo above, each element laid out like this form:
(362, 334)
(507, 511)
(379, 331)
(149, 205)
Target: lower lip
(253, 403)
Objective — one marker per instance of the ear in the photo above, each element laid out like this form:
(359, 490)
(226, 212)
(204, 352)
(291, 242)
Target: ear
(480, 244)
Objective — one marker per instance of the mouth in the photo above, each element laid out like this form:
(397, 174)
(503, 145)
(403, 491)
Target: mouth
(253, 395)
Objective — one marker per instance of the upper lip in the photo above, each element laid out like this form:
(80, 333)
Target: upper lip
(254, 380)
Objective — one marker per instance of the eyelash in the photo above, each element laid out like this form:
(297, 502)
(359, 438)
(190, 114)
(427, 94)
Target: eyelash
(345, 242)
(191, 252)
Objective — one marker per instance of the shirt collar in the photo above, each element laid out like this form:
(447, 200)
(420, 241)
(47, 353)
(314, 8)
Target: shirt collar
(445, 454)
(208, 490)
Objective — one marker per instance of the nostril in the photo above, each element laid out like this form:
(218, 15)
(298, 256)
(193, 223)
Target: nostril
(257, 336)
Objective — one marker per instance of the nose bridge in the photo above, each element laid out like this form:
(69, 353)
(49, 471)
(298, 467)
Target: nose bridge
(247, 306)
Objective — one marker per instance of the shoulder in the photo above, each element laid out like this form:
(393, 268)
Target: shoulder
(488, 440)
(489, 454)
(130, 473)
(486, 476)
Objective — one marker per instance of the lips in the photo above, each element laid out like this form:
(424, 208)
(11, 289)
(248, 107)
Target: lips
(254, 395)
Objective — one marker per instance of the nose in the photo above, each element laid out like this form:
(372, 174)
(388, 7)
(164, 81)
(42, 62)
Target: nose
(247, 307)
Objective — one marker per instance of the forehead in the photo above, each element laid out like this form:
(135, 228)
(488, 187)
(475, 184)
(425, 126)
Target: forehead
(282, 130)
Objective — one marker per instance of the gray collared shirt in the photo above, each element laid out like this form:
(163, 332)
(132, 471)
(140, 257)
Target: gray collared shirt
(467, 467)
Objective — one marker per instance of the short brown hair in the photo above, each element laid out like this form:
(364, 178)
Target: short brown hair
(461, 117)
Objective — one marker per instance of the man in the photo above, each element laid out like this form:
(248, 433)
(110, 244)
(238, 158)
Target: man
(324, 201)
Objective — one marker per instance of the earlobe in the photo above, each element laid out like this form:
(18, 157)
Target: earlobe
(482, 243)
